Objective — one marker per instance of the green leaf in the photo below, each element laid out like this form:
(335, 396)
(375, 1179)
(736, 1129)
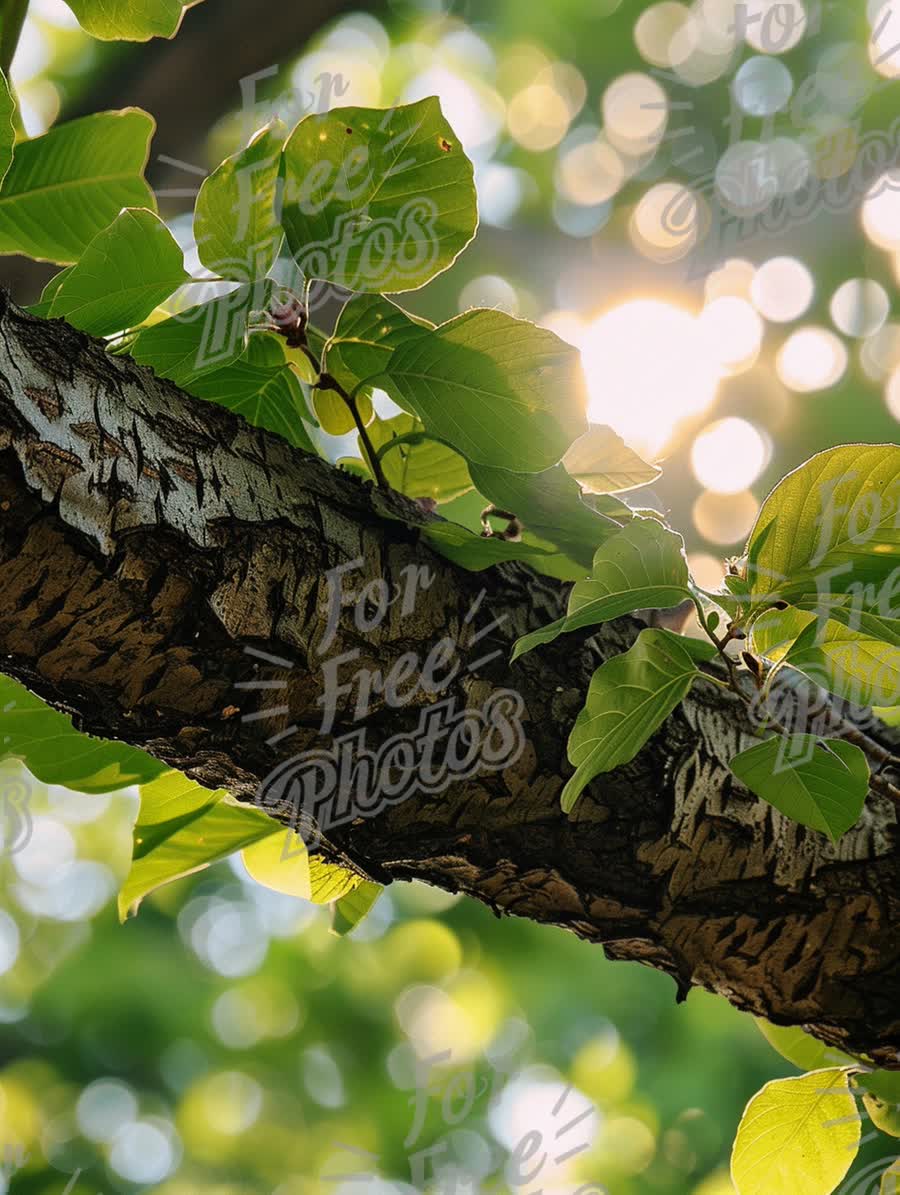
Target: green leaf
(130, 20)
(56, 753)
(475, 552)
(890, 1180)
(125, 272)
(68, 185)
(819, 783)
(352, 908)
(853, 665)
(550, 506)
(497, 388)
(183, 827)
(798, 1136)
(602, 463)
(629, 698)
(280, 862)
(236, 224)
(420, 468)
(367, 332)
(330, 882)
(883, 1084)
(830, 525)
(643, 566)
(377, 201)
(334, 414)
(7, 127)
(203, 338)
(269, 396)
(538, 638)
(774, 632)
(48, 294)
(494, 387)
(806, 1052)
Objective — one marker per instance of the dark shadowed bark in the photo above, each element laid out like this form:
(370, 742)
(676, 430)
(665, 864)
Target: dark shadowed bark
(148, 539)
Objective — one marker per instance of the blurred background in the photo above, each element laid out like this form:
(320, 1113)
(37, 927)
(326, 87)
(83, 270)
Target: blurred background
(705, 199)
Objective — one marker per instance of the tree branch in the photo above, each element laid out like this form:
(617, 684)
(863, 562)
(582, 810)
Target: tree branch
(148, 539)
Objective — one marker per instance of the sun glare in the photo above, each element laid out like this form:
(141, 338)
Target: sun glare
(648, 366)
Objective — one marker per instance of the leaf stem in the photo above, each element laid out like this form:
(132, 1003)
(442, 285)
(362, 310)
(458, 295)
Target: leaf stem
(291, 320)
(412, 438)
(14, 13)
(327, 382)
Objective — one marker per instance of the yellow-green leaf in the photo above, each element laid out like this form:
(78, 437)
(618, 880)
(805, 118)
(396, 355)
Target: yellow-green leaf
(329, 881)
(890, 1180)
(280, 862)
(182, 828)
(806, 1052)
(829, 525)
(797, 1137)
(352, 908)
(420, 467)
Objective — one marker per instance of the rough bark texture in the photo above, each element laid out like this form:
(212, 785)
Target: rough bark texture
(147, 539)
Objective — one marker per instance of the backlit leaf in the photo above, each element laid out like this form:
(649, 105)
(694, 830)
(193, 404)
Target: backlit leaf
(497, 389)
(69, 184)
(236, 223)
(798, 1136)
(183, 827)
(377, 201)
(602, 463)
(830, 524)
(124, 273)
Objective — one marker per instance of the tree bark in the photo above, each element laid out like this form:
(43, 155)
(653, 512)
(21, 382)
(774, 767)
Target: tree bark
(149, 539)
